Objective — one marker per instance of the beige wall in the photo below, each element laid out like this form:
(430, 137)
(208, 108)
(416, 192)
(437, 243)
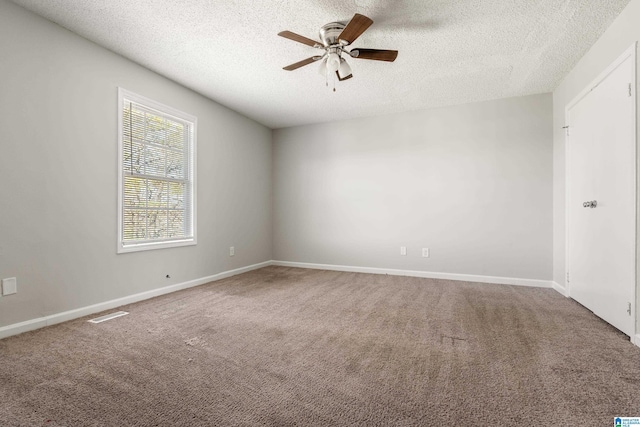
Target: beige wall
(473, 183)
(58, 143)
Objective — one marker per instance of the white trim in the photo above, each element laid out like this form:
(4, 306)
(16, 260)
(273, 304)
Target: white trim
(634, 108)
(631, 52)
(424, 274)
(148, 246)
(41, 322)
(636, 341)
(183, 117)
(560, 288)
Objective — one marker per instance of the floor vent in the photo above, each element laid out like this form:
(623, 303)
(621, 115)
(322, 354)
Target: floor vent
(108, 317)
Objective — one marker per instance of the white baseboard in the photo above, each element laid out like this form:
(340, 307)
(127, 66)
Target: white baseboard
(560, 288)
(424, 274)
(41, 322)
(636, 341)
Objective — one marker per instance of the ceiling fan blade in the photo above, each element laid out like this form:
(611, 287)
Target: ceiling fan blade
(375, 54)
(302, 63)
(298, 38)
(346, 78)
(355, 27)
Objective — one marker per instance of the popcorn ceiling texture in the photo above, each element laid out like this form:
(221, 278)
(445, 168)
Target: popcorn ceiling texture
(451, 52)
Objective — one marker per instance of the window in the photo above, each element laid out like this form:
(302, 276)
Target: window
(156, 165)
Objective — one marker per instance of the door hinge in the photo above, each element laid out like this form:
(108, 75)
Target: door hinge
(629, 308)
(566, 130)
(567, 277)
(630, 92)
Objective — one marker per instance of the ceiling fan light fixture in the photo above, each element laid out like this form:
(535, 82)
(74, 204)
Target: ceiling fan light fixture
(344, 70)
(333, 62)
(323, 67)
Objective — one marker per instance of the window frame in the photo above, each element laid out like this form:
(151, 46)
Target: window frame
(164, 110)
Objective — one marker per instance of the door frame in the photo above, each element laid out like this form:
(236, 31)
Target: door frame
(629, 53)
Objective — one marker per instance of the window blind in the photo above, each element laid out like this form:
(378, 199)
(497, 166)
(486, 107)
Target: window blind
(157, 176)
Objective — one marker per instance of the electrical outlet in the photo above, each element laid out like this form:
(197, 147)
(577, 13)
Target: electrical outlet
(403, 250)
(425, 252)
(232, 251)
(9, 286)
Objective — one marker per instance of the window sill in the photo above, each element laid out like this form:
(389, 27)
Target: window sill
(154, 245)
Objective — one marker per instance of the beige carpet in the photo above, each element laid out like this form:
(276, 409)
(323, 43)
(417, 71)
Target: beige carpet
(291, 347)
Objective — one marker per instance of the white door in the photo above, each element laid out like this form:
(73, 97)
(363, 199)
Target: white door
(602, 202)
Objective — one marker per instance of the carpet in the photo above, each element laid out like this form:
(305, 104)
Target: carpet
(295, 347)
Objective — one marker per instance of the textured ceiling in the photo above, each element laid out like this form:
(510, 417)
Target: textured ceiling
(451, 52)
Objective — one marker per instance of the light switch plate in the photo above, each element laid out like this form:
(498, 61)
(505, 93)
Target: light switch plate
(9, 286)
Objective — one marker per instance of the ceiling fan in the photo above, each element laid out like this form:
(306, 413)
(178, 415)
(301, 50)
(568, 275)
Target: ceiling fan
(335, 38)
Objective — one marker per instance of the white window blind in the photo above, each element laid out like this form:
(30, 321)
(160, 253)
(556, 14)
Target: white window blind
(157, 162)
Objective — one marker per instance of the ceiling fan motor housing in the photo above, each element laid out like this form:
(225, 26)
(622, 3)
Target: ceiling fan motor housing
(329, 33)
